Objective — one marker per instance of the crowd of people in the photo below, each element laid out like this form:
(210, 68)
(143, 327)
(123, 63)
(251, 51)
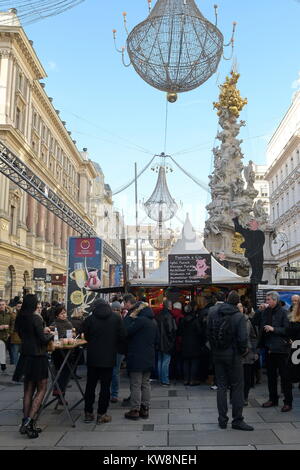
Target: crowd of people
(221, 341)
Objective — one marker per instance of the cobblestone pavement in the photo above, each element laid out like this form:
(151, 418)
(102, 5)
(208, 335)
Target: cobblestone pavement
(180, 418)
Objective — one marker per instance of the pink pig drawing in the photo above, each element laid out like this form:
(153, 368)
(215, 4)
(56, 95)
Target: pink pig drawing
(201, 267)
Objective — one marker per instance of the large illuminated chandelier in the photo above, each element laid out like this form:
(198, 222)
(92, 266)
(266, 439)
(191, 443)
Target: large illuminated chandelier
(176, 49)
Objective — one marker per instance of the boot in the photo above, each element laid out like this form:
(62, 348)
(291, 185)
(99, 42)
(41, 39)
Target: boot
(28, 428)
(34, 424)
(22, 429)
(103, 419)
(132, 414)
(144, 412)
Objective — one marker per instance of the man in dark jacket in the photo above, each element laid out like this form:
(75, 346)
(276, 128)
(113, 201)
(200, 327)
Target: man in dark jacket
(228, 360)
(142, 336)
(272, 336)
(167, 337)
(254, 246)
(105, 334)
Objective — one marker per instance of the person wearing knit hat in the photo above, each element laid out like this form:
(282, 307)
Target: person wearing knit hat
(116, 306)
(115, 383)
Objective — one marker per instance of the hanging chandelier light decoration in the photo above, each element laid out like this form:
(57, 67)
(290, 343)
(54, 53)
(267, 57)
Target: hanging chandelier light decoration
(176, 49)
(161, 206)
(31, 11)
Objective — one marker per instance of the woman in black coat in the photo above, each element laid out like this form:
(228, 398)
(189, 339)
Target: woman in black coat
(192, 331)
(33, 362)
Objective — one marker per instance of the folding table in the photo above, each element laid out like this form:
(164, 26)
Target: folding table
(68, 349)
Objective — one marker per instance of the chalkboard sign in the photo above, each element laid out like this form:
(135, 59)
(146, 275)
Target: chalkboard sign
(189, 269)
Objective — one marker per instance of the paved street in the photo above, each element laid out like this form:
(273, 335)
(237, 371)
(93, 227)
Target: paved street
(181, 418)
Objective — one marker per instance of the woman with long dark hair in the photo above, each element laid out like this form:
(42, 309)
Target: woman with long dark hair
(33, 362)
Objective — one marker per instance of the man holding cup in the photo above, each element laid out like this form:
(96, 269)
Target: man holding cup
(6, 322)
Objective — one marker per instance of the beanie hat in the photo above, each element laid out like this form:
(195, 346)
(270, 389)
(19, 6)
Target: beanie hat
(116, 305)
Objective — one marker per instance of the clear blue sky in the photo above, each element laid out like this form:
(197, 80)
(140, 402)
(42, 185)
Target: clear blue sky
(105, 103)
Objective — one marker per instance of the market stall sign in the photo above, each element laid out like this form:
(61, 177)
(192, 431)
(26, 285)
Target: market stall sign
(189, 269)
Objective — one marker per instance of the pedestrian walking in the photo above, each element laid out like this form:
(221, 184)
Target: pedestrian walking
(142, 339)
(15, 340)
(105, 336)
(192, 330)
(167, 337)
(33, 363)
(251, 356)
(272, 336)
(227, 334)
(115, 383)
(6, 328)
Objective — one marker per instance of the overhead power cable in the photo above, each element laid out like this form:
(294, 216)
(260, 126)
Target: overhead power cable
(192, 177)
(122, 188)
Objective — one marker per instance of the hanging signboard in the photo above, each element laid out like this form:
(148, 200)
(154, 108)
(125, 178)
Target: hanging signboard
(116, 277)
(39, 274)
(189, 269)
(84, 272)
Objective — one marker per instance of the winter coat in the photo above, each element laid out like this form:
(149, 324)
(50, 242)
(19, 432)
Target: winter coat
(238, 323)
(167, 331)
(62, 327)
(275, 341)
(14, 337)
(6, 319)
(142, 334)
(49, 315)
(293, 331)
(192, 330)
(104, 331)
(30, 328)
(252, 343)
(77, 323)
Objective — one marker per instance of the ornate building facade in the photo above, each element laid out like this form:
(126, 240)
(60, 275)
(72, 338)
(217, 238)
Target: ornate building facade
(283, 176)
(30, 235)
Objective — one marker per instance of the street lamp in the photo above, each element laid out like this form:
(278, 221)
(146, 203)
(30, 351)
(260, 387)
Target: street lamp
(283, 239)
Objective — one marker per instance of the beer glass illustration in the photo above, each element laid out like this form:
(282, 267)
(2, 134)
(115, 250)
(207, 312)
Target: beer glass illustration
(79, 275)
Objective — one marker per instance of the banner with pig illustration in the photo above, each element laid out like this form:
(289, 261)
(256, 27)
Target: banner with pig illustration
(189, 269)
(84, 273)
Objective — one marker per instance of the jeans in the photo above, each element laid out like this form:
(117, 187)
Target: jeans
(115, 382)
(140, 389)
(94, 374)
(163, 367)
(229, 372)
(278, 363)
(14, 353)
(2, 352)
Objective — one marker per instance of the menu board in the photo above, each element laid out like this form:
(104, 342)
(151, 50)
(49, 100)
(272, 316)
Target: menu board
(189, 269)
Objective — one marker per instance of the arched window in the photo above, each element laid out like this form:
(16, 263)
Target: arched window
(9, 283)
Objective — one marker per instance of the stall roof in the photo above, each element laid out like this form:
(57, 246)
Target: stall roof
(190, 243)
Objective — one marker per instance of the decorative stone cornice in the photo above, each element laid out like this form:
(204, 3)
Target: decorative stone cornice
(17, 39)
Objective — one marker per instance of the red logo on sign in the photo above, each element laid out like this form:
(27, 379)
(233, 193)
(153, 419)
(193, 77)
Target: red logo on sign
(85, 247)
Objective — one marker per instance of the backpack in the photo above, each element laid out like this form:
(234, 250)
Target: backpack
(220, 331)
